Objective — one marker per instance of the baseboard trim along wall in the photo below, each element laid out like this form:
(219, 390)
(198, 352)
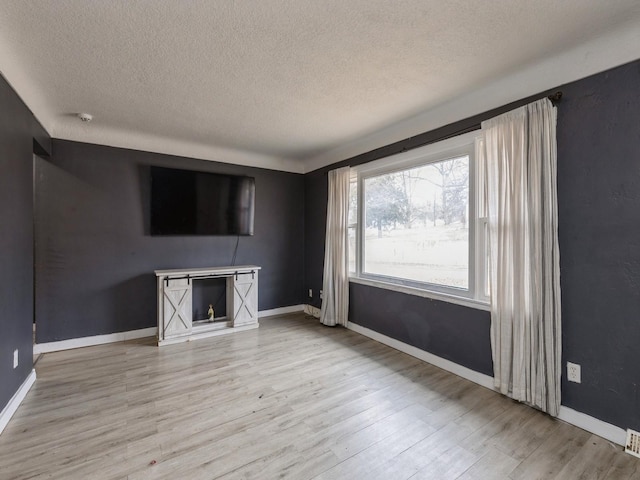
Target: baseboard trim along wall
(311, 310)
(16, 400)
(581, 420)
(49, 347)
(591, 424)
(280, 311)
(448, 365)
(39, 348)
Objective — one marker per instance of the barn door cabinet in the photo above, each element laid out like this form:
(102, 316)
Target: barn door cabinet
(175, 303)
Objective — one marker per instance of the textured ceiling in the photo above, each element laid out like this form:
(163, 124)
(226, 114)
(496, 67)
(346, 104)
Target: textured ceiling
(281, 83)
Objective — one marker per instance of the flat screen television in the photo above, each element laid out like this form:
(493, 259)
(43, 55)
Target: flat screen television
(187, 202)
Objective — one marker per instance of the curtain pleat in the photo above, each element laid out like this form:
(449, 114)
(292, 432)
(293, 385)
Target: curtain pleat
(520, 164)
(335, 281)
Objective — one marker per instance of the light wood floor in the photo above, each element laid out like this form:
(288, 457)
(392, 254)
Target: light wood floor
(292, 400)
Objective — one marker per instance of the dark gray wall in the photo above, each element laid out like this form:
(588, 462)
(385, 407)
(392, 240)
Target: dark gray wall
(315, 214)
(18, 129)
(94, 255)
(450, 331)
(599, 205)
(599, 211)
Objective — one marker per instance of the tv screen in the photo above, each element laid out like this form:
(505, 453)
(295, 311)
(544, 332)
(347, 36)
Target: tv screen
(186, 202)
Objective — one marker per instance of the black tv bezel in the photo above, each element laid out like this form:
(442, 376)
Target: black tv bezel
(161, 233)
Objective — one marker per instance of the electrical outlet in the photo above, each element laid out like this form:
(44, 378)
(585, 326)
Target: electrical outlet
(310, 293)
(320, 294)
(15, 358)
(573, 372)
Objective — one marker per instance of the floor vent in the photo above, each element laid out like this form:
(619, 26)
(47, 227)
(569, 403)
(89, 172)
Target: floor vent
(633, 443)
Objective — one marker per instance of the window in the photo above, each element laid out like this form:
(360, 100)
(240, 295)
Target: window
(413, 222)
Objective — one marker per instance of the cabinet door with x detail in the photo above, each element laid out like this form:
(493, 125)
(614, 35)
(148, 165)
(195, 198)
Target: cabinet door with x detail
(177, 308)
(244, 298)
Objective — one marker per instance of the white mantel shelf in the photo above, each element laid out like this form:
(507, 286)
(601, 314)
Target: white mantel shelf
(175, 308)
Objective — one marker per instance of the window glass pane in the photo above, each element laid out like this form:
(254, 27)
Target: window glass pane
(353, 221)
(417, 223)
(353, 201)
(487, 259)
(352, 249)
(481, 179)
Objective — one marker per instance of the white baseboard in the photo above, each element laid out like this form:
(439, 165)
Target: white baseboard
(581, 420)
(591, 424)
(39, 348)
(280, 311)
(448, 365)
(311, 310)
(16, 400)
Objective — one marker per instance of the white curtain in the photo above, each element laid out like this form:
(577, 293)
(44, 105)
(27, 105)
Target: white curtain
(335, 281)
(520, 161)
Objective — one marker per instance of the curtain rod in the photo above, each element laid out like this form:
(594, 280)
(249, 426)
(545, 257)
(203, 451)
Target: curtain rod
(556, 97)
(443, 133)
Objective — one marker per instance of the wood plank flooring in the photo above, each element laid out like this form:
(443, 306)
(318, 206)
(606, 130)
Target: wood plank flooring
(292, 399)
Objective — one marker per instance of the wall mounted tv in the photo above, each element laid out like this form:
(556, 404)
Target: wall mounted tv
(186, 202)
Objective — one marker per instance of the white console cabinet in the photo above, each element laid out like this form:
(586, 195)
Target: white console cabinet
(175, 307)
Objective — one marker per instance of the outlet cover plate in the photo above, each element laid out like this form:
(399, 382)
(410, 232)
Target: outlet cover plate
(15, 358)
(574, 373)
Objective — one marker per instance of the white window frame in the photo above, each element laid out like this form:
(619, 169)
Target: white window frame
(455, 147)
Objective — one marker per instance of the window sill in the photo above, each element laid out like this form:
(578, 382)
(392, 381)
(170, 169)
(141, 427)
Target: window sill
(444, 297)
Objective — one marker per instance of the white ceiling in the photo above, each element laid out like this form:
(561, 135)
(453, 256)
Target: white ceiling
(294, 84)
